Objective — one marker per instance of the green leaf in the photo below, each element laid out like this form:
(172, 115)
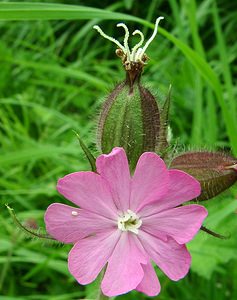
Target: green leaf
(209, 252)
(87, 152)
(210, 77)
(27, 153)
(51, 11)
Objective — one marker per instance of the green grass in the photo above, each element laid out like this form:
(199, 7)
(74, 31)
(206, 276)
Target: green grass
(55, 72)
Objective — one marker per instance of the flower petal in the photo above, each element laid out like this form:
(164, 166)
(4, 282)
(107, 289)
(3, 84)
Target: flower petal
(124, 271)
(89, 256)
(182, 187)
(114, 168)
(181, 223)
(150, 284)
(150, 181)
(69, 224)
(172, 258)
(89, 191)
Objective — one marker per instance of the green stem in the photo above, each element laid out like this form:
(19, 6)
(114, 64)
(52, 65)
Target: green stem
(24, 228)
(100, 295)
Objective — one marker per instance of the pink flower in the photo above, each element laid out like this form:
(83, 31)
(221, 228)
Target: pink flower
(127, 222)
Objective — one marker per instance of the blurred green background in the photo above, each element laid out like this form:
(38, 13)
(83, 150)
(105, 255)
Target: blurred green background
(55, 70)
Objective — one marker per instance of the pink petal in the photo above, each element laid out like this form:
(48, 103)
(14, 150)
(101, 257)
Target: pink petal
(124, 271)
(114, 168)
(182, 187)
(89, 191)
(150, 181)
(89, 256)
(150, 284)
(181, 223)
(65, 226)
(172, 258)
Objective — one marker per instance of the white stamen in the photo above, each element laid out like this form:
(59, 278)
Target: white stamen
(129, 221)
(125, 41)
(152, 36)
(74, 213)
(137, 52)
(134, 49)
(96, 27)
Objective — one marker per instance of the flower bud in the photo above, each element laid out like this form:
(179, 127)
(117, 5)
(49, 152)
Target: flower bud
(130, 117)
(216, 171)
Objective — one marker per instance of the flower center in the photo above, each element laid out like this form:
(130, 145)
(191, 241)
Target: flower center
(129, 221)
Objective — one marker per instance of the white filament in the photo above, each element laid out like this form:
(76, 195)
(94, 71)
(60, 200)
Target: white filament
(108, 37)
(152, 37)
(136, 47)
(125, 41)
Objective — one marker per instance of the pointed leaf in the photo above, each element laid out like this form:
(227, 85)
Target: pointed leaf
(87, 152)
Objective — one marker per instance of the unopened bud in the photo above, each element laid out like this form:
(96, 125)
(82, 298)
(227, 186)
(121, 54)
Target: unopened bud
(129, 119)
(215, 171)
